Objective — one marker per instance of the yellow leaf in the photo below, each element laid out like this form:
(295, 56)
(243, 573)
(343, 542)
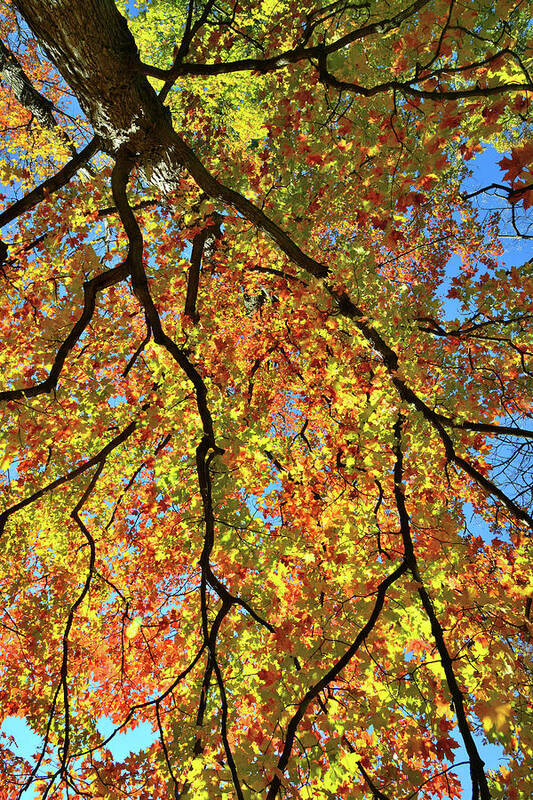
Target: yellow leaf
(133, 628)
(496, 716)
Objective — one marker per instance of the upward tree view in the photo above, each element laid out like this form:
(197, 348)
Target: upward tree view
(266, 394)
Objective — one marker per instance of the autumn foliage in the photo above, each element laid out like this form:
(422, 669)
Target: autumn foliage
(266, 391)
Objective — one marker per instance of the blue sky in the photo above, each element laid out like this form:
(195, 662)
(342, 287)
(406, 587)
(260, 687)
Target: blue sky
(485, 170)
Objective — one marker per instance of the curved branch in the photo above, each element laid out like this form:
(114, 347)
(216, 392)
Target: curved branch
(51, 185)
(186, 156)
(90, 291)
(99, 458)
(510, 191)
(477, 772)
(313, 692)
(300, 53)
(404, 87)
(390, 360)
(146, 704)
(63, 684)
(207, 446)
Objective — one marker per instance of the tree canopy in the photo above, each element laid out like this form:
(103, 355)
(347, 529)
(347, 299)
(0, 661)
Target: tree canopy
(266, 391)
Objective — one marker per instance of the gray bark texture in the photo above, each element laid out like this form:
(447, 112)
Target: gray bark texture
(14, 76)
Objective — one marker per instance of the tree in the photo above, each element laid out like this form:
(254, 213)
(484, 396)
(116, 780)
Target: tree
(245, 431)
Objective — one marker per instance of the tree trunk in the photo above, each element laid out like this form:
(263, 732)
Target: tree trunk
(89, 42)
(92, 47)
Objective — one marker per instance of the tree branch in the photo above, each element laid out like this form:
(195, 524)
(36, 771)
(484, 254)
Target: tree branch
(293, 56)
(203, 243)
(50, 185)
(14, 76)
(90, 291)
(479, 780)
(313, 692)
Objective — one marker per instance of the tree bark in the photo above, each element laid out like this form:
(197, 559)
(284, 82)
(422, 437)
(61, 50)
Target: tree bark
(92, 47)
(14, 76)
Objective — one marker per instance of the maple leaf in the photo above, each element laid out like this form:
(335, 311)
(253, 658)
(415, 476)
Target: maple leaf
(521, 158)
